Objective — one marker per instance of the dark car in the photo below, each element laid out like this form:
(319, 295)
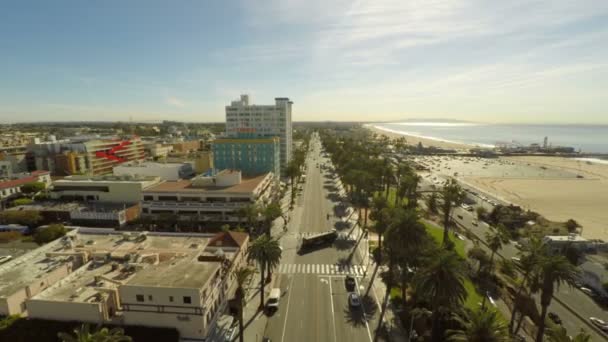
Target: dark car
(555, 318)
(349, 282)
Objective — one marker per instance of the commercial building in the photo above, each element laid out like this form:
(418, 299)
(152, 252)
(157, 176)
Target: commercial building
(93, 214)
(262, 121)
(216, 198)
(83, 155)
(203, 162)
(173, 280)
(251, 156)
(166, 171)
(109, 188)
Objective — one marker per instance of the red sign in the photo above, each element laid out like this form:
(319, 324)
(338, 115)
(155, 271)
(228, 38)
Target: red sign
(111, 153)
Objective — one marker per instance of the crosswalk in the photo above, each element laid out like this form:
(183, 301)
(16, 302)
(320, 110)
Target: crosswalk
(323, 269)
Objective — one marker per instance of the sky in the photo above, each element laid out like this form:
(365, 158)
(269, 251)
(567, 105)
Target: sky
(516, 61)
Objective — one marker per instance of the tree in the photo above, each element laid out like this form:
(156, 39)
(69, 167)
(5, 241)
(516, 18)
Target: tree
(558, 333)
(495, 239)
(241, 275)
(292, 171)
(33, 187)
(22, 201)
(50, 233)
(270, 213)
(381, 215)
(571, 225)
(451, 196)
(30, 218)
(481, 212)
(83, 334)
(250, 213)
(530, 256)
(441, 283)
(553, 270)
(480, 326)
(431, 203)
(478, 254)
(267, 253)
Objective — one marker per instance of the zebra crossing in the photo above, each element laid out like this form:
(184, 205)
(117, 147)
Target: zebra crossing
(322, 269)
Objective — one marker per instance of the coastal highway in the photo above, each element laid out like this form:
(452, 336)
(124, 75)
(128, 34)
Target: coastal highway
(314, 304)
(572, 297)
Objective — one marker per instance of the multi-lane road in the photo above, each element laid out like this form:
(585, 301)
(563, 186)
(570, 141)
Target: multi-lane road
(314, 304)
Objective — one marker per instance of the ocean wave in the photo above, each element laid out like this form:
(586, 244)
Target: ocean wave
(593, 160)
(436, 124)
(418, 135)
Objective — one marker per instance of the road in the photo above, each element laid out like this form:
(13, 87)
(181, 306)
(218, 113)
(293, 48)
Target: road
(314, 304)
(574, 298)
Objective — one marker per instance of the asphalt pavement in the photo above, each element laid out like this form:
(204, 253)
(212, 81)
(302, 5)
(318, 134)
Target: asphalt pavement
(314, 304)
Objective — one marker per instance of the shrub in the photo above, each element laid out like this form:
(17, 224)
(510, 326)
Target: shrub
(22, 201)
(33, 187)
(9, 236)
(49, 233)
(28, 218)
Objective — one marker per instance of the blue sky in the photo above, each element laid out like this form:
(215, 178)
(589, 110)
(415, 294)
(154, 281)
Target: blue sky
(490, 61)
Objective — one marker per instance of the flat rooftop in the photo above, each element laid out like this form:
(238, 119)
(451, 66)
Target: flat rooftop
(247, 185)
(126, 259)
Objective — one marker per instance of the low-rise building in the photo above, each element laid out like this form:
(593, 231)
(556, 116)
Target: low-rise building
(217, 198)
(558, 242)
(166, 171)
(11, 186)
(108, 189)
(94, 214)
(173, 280)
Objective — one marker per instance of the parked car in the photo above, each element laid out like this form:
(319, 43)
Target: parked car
(555, 318)
(587, 291)
(354, 300)
(599, 323)
(349, 283)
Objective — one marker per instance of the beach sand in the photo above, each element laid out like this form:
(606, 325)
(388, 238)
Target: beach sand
(548, 185)
(411, 140)
(555, 192)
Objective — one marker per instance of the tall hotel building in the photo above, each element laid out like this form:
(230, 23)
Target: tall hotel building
(245, 120)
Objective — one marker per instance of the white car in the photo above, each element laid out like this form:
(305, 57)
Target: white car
(599, 323)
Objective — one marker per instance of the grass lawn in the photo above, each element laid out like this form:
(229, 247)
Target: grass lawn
(473, 298)
(437, 234)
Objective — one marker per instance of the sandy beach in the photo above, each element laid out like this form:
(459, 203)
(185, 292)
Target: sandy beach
(556, 187)
(412, 140)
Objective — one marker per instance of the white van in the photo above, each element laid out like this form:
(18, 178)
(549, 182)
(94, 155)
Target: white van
(273, 298)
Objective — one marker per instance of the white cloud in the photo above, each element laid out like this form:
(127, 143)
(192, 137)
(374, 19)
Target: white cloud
(175, 102)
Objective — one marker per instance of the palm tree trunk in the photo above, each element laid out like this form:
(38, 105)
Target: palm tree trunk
(519, 322)
(389, 285)
(515, 299)
(241, 325)
(541, 325)
(262, 283)
(365, 219)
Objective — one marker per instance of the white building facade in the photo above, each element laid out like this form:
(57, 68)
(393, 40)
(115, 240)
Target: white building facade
(253, 121)
(166, 171)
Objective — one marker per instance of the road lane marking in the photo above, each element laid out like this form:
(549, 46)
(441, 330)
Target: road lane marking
(333, 315)
(287, 310)
(364, 312)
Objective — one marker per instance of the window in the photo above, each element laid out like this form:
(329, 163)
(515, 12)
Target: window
(148, 198)
(150, 297)
(187, 300)
(171, 299)
(139, 298)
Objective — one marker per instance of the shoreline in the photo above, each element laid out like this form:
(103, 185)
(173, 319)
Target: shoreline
(413, 140)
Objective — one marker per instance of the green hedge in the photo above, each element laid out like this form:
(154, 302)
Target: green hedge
(39, 330)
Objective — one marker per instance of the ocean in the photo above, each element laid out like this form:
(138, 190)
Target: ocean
(586, 138)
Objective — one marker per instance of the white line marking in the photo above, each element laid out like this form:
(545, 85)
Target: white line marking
(363, 307)
(333, 316)
(287, 310)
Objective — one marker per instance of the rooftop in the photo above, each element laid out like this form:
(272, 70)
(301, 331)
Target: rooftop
(247, 185)
(571, 238)
(107, 178)
(71, 206)
(122, 259)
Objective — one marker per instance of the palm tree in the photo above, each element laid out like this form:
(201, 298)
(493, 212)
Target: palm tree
(553, 270)
(292, 171)
(452, 196)
(84, 334)
(241, 275)
(431, 203)
(530, 256)
(441, 283)
(381, 215)
(267, 253)
(480, 326)
(496, 238)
